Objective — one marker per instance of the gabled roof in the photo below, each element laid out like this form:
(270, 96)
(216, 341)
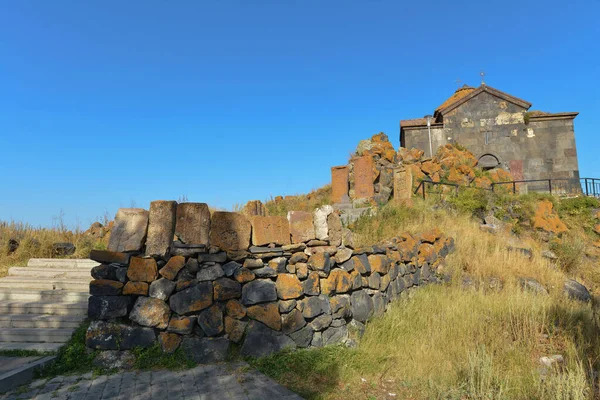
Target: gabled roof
(466, 93)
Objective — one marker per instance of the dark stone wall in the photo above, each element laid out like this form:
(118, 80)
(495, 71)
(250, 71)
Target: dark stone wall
(542, 148)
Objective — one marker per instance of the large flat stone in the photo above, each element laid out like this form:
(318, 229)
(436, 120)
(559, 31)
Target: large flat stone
(193, 223)
(129, 230)
(230, 231)
(339, 183)
(161, 227)
(107, 307)
(363, 177)
(267, 230)
(259, 291)
(193, 299)
(301, 224)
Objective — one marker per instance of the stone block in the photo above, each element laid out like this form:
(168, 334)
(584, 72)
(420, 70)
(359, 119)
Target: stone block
(109, 257)
(285, 306)
(301, 226)
(267, 313)
(150, 312)
(172, 268)
(162, 288)
(259, 291)
(234, 328)
(161, 227)
(129, 230)
(311, 284)
(235, 309)
(320, 262)
(335, 335)
(293, 322)
(314, 305)
(267, 230)
(211, 320)
(107, 307)
(181, 325)
(403, 186)
(363, 177)
(243, 275)
(142, 270)
(321, 322)
(379, 263)
(192, 224)
(169, 342)
(303, 337)
(339, 281)
(225, 289)
(265, 272)
(105, 287)
(193, 299)
(136, 288)
(210, 273)
(230, 231)
(334, 229)
(339, 183)
(361, 305)
(320, 222)
(288, 287)
(114, 360)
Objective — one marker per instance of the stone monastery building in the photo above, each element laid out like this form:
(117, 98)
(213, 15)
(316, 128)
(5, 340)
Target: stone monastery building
(501, 132)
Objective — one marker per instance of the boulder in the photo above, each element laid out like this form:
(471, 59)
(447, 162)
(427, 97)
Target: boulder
(334, 335)
(230, 231)
(265, 272)
(342, 256)
(339, 281)
(321, 322)
(259, 291)
(108, 257)
(311, 284)
(320, 262)
(129, 230)
(161, 227)
(193, 299)
(532, 285)
(192, 224)
(234, 328)
(230, 268)
(303, 337)
(314, 306)
(243, 275)
(205, 350)
(104, 271)
(575, 290)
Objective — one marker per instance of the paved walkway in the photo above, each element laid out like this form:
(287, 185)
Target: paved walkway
(206, 382)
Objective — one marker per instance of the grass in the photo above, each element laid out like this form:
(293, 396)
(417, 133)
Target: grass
(448, 343)
(153, 358)
(305, 202)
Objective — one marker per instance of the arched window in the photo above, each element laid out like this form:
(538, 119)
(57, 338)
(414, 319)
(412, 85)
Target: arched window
(488, 161)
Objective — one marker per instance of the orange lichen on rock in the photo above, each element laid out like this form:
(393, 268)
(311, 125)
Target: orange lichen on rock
(546, 219)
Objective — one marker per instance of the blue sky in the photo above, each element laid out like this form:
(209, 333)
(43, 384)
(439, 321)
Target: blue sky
(105, 104)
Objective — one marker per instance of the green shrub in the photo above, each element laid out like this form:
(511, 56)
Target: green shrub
(578, 206)
(472, 201)
(569, 252)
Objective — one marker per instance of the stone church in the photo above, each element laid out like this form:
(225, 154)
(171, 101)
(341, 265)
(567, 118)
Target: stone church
(501, 131)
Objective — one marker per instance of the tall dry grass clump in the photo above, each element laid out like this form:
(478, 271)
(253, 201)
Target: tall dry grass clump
(279, 206)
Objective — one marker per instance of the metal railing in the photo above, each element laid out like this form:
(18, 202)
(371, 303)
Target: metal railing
(560, 187)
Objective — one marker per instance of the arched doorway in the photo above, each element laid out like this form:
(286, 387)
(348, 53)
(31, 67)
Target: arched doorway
(488, 161)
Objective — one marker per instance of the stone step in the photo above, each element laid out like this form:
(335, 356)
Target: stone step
(40, 321)
(77, 263)
(44, 307)
(30, 346)
(39, 272)
(43, 295)
(19, 282)
(36, 335)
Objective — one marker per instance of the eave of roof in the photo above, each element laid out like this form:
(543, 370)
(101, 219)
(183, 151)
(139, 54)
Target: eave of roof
(553, 116)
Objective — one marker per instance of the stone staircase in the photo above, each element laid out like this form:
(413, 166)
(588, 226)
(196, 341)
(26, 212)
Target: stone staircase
(43, 303)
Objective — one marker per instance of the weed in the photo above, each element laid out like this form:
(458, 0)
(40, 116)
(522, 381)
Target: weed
(154, 358)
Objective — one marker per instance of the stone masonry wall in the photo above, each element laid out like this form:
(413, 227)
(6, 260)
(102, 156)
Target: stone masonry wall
(182, 277)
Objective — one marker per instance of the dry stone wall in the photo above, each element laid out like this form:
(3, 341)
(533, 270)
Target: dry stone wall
(202, 282)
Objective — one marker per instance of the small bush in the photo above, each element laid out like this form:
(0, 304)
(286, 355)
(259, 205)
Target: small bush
(471, 201)
(578, 206)
(569, 252)
(73, 357)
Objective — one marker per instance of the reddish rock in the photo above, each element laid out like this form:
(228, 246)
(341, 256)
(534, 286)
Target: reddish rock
(339, 281)
(319, 262)
(267, 313)
(161, 227)
(142, 270)
(311, 284)
(235, 309)
(193, 223)
(136, 288)
(339, 183)
(172, 268)
(230, 231)
(379, 263)
(243, 275)
(334, 226)
(181, 325)
(363, 177)
(288, 287)
(254, 207)
(546, 218)
(301, 226)
(105, 287)
(169, 341)
(267, 230)
(361, 264)
(431, 236)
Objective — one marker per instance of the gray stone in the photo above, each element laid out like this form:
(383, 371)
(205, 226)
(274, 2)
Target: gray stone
(129, 230)
(161, 227)
(303, 337)
(532, 285)
(576, 291)
(550, 255)
(286, 306)
(107, 307)
(292, 322)
(317, 340)
(342, 256)
(193, 299)
(211, 321)
(161, 288)
(340, 306)
(261, 341)
(379, 302)
(103, 271)
(336, 323)
(314, 305)
(278, 264)
(362, 306)
(205, 350)
(321, 322)
(259, 291)
(219, 257)
(192, 266)
(152, 312)
(374, 280)
(230, 268)
(137, 336)
(335, 335)
(320, 221)
(210, 273)
(251, 263)
(114, 359)
(111, 336)
(265, 272)
(121, 274)
(358, 327)
(348, 266)
(226, 289)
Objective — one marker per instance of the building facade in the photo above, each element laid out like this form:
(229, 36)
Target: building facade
(501, 131)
